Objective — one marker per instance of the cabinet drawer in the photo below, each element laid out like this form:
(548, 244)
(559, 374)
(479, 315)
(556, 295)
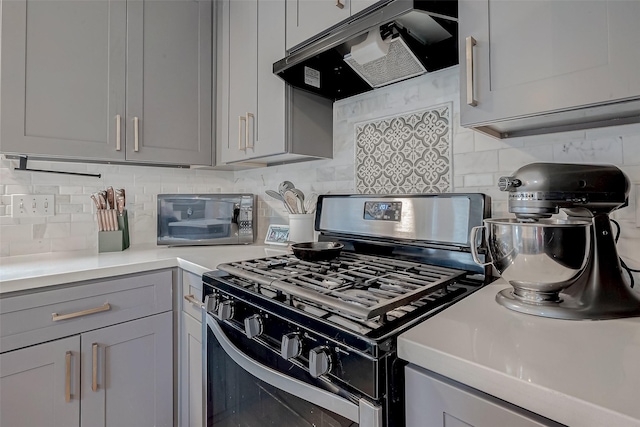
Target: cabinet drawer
(43, 316)
(191, 288)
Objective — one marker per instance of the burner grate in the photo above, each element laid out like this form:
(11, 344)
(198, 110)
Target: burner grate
(360, 286)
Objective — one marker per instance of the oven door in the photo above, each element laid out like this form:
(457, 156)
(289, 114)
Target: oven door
(256, 387)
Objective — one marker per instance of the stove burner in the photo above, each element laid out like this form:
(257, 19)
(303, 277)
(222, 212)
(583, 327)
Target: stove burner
(360, 286)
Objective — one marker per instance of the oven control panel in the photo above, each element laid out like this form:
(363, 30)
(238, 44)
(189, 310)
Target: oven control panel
(304, 347)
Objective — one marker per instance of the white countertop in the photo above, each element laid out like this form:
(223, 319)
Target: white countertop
(26, 272)
(579, 373)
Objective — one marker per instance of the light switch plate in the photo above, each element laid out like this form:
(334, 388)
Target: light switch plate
(28, 205)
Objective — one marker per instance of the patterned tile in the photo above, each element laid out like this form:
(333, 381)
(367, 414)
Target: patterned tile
(409, 153)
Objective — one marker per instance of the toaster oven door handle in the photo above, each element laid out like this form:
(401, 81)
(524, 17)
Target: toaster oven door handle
(322, 398)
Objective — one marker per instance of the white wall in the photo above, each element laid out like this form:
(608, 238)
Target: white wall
(478, 162)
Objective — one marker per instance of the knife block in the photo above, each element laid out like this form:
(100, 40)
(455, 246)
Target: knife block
(114, 241)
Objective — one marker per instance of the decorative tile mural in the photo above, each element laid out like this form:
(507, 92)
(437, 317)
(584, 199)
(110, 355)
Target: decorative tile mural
(409, 153)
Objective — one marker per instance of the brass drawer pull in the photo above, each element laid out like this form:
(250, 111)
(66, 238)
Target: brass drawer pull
(94, 373)
(470, 42)
(67, 382)
(55, 316)
(193, 300)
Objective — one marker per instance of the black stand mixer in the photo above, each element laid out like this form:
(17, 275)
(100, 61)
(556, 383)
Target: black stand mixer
(584, 192)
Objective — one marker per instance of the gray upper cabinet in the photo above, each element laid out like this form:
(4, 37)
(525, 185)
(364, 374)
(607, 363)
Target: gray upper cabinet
(534, 67)
(63, 78)
(306, 18)
(169, 82)
(260, 119)
(107, 80)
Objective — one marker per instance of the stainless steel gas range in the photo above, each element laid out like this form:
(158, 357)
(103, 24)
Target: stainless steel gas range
(313, 343)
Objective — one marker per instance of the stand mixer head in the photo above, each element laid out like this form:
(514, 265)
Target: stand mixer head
(585, 192)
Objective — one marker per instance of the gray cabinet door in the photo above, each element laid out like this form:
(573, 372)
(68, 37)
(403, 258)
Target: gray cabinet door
(253, 98)
(169, 82)
(191, 380)
(534, 57)
(436, 401)
(306, 18)
(128, 374)
(63, 85)
(239, 85)
(40, 385)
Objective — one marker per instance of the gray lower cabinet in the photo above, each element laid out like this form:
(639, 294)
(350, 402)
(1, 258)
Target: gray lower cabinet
(191, 382)
(191, 396)
(435, 401)
(260, 120)
(40, 385)
(128, 374)
(532, 66)
(107, 80)
(97, 353)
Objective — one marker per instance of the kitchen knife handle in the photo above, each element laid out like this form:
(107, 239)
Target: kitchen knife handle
(240, 147)
(94, 371)
(339, 4)
(136, 134)
(55, 316)
(67, 378)
(246, 135)
(118, 130)
(470, 43)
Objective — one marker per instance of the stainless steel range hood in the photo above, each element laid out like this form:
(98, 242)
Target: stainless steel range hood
(391, 41)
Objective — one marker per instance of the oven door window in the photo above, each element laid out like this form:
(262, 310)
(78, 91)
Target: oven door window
(236, 397)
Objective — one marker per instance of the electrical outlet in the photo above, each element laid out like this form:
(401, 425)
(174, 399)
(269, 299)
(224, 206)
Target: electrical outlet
(27, 205)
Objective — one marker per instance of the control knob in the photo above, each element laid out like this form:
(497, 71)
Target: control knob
(253, 326)
(211, 303)
(225, 310)
(291, 346)
(319, 361)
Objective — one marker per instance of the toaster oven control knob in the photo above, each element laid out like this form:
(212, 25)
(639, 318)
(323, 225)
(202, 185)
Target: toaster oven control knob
(291, 346)
(225, 310)
(319, 361)
(253, 326)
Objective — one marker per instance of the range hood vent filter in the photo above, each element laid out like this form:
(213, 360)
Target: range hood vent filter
(398, 64)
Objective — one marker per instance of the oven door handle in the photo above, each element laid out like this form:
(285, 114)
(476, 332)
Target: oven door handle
(365, 413)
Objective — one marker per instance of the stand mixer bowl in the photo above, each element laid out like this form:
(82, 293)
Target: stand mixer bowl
(539, 258)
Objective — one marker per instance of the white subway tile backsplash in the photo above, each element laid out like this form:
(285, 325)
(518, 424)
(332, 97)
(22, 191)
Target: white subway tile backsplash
(512, 158)
(607, 150)
(631, 149)
(51, 230)
(479, 180)
(29, 246)
(476, 162)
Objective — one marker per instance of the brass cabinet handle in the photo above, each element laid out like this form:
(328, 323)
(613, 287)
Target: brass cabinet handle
(136, 134)
(94, 373)
(56, 317)
(193, 300)
(67, 382)
(470, 43)
(339, 4)
(246, 135)
(240, 147)
(118, 145)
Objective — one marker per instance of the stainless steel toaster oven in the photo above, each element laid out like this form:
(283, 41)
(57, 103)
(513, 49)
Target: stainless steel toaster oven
(206, 219)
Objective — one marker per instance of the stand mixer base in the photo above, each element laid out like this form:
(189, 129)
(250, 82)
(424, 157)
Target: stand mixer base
(568, 308)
